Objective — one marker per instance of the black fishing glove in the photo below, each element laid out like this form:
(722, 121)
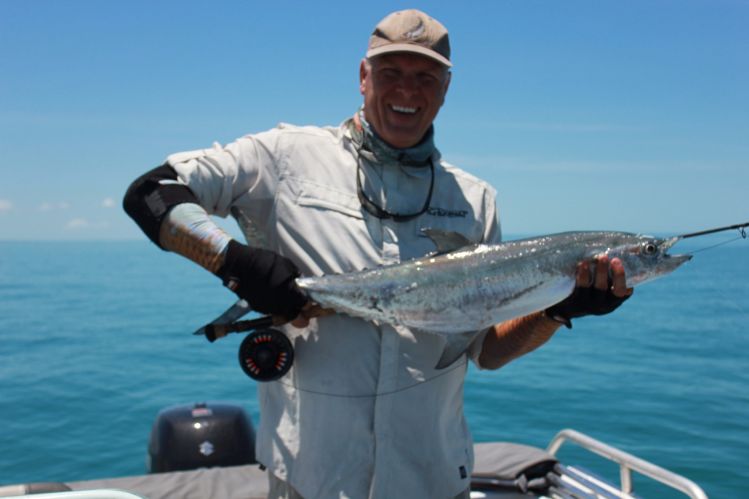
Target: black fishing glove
(585, 301)
(264, 278)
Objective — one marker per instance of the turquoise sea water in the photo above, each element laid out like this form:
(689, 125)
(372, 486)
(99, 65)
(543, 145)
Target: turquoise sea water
(95, 340)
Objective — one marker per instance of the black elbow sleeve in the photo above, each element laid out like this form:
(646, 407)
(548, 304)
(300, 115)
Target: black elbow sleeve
(150, 197)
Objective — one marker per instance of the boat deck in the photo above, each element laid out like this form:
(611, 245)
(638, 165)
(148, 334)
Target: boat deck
(501, 471)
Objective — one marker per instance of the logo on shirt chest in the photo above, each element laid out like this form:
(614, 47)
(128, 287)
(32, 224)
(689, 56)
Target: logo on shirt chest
(444, 212)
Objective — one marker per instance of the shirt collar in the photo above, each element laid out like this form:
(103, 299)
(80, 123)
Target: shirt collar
(375, 149)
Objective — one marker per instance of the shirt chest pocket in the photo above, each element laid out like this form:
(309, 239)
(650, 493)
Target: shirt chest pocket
(309, 195)
(326, 226)
(330, 200)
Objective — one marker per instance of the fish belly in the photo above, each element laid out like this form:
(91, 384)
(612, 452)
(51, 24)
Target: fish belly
(441, 305)
(443, 312)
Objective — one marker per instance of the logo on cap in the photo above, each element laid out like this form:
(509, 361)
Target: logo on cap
(415, 33)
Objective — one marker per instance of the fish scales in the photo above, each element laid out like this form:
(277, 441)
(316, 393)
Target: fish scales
(476, 287)
(461, 292)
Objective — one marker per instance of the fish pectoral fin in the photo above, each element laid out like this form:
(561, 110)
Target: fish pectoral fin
(455, 346)
(447, 240)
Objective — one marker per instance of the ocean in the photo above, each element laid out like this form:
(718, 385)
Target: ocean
(96, 340)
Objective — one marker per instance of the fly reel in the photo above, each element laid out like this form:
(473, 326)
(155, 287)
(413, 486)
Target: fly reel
(266, 355)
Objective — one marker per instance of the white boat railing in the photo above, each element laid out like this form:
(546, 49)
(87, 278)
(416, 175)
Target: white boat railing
(82, 494)
(627, 464)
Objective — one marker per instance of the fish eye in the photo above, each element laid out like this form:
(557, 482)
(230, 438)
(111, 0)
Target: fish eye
(649, 248)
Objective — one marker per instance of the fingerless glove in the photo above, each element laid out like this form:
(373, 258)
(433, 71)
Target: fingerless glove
(264, 278)
(584, 301)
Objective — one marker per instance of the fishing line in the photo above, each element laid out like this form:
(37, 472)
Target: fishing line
(266, 355)
(443, 372)
(743, 236)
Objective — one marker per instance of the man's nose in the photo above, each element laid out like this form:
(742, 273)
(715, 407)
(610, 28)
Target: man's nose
(408, 85)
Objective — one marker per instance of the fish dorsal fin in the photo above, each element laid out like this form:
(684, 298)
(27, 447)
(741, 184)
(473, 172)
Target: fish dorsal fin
(447, 240)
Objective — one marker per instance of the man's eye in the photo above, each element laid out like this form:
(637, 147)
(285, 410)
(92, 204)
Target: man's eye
(389, 74)
(428, 80)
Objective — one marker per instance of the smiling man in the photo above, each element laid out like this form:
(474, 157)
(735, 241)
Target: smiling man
(363, 412)
(403, 93)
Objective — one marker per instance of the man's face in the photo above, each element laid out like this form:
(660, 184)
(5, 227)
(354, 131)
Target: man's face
(402, 94)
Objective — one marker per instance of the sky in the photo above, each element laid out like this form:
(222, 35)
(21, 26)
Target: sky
(582, 114)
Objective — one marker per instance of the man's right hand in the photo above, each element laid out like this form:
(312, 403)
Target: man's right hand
(264, 278)
(597, 292)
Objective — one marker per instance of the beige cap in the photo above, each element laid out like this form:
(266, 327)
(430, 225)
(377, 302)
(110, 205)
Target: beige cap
(411, 31)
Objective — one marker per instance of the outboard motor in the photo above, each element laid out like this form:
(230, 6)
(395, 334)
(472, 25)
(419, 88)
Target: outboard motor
(202, 435)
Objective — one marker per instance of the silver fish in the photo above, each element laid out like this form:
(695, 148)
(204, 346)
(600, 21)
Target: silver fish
(463, 288)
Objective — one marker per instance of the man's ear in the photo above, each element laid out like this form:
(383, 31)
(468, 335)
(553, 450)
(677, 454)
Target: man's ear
(364, 70)
(446, 86)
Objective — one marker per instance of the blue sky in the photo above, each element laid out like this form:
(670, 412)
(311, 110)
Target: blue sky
(582, 114)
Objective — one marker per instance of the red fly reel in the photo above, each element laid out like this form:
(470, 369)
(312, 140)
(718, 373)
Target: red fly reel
(266, 355)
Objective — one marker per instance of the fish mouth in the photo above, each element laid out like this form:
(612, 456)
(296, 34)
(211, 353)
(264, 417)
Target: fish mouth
(673, 261)
(677, 260)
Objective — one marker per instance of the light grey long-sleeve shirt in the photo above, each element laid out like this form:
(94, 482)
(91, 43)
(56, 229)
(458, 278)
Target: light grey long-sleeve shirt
(363, 412)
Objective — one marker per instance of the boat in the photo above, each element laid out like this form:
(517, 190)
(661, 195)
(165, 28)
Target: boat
(206, 451)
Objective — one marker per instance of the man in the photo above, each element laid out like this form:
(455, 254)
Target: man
(363, 412)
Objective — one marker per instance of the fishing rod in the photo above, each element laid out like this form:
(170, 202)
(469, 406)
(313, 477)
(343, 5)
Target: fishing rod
(266, 354)
(740, 227)
(214, 331)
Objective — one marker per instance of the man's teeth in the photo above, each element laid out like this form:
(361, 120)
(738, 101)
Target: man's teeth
(403, 109)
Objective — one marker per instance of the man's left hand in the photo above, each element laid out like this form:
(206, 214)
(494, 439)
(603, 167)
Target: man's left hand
(596, 293)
